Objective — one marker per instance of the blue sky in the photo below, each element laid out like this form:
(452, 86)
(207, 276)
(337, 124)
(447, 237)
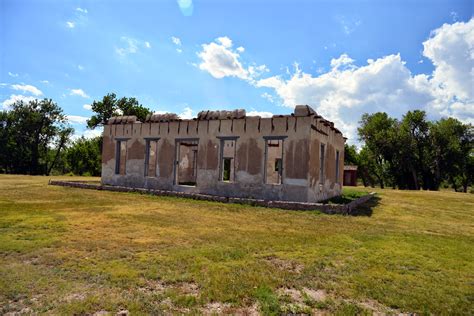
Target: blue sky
(344, 58)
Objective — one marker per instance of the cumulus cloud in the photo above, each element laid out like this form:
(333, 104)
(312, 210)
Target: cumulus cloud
(11, 74)
(187, 114)
(87, 107)
(70, 24)
(147, 45)
(346, 91)
(342, 95)
(27, 88)
(220, 60)
(451, 50)
(79, 92)
(15, 98)
(82, 10)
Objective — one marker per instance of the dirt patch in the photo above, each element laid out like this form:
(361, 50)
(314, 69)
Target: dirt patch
(285, 265)
(158, 287)
(293, 294)
(153, 287)
(244, 311)
(75, 297)
(316, 295)
(215, 308)
(188, 288)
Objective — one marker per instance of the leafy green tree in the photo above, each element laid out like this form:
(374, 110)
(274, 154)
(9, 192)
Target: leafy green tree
(452, 151)
(30, 131)
(83, 157)
(111, 106)
(378, 132)
(350, 155)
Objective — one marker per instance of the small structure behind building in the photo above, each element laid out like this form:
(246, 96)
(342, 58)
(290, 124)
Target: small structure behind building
(350, 175)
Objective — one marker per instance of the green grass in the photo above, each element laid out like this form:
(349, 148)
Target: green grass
(75, 251)
(348, 195)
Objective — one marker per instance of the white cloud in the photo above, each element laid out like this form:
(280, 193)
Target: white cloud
(87, 133)
(347, 91)
(240, 49)
(179, 50)
(15, 98)
(44, 81)
(76, 119)
(220, 60)
(176, 40)
(187, 114)
(267, 96)
(260, 113)
(79, 92)
(130, 46)
(343, 95)
(87, 107)
(11, 74)
(70, 24)
(225, 41)
(80, 67)
(343, 60)
(451, 49)
(93, 133)
(82, 10)
(27, 88)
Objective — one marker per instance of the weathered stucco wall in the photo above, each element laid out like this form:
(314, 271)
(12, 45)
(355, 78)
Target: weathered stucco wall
(300, 172)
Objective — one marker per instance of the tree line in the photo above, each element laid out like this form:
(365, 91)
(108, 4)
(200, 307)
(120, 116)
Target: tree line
(36, 138)
(411, 153)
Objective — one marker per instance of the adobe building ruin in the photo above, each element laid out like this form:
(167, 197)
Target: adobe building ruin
(297, 157)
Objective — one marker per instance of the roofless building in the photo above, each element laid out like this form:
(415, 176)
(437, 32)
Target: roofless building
(297, 157)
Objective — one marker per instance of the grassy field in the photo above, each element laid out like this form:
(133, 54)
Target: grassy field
(76, 251)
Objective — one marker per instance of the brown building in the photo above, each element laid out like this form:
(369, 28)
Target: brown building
(297, 157)
(350, 176)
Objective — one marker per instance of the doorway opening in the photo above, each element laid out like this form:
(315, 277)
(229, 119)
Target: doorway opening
(186, 162)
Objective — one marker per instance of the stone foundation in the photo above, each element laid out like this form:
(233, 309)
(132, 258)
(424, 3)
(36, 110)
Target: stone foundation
(344, 209)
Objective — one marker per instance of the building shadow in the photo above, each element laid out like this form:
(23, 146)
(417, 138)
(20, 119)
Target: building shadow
(366, 209)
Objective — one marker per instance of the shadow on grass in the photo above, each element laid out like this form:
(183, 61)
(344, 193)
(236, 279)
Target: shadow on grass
(366, 209)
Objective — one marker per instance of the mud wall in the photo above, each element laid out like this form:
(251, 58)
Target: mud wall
(300, 160)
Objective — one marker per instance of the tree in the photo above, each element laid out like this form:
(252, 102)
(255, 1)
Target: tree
(350, 155)
(377, 131)
(84, 156)
(29, 132)
(109, 106)
(452, 146)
